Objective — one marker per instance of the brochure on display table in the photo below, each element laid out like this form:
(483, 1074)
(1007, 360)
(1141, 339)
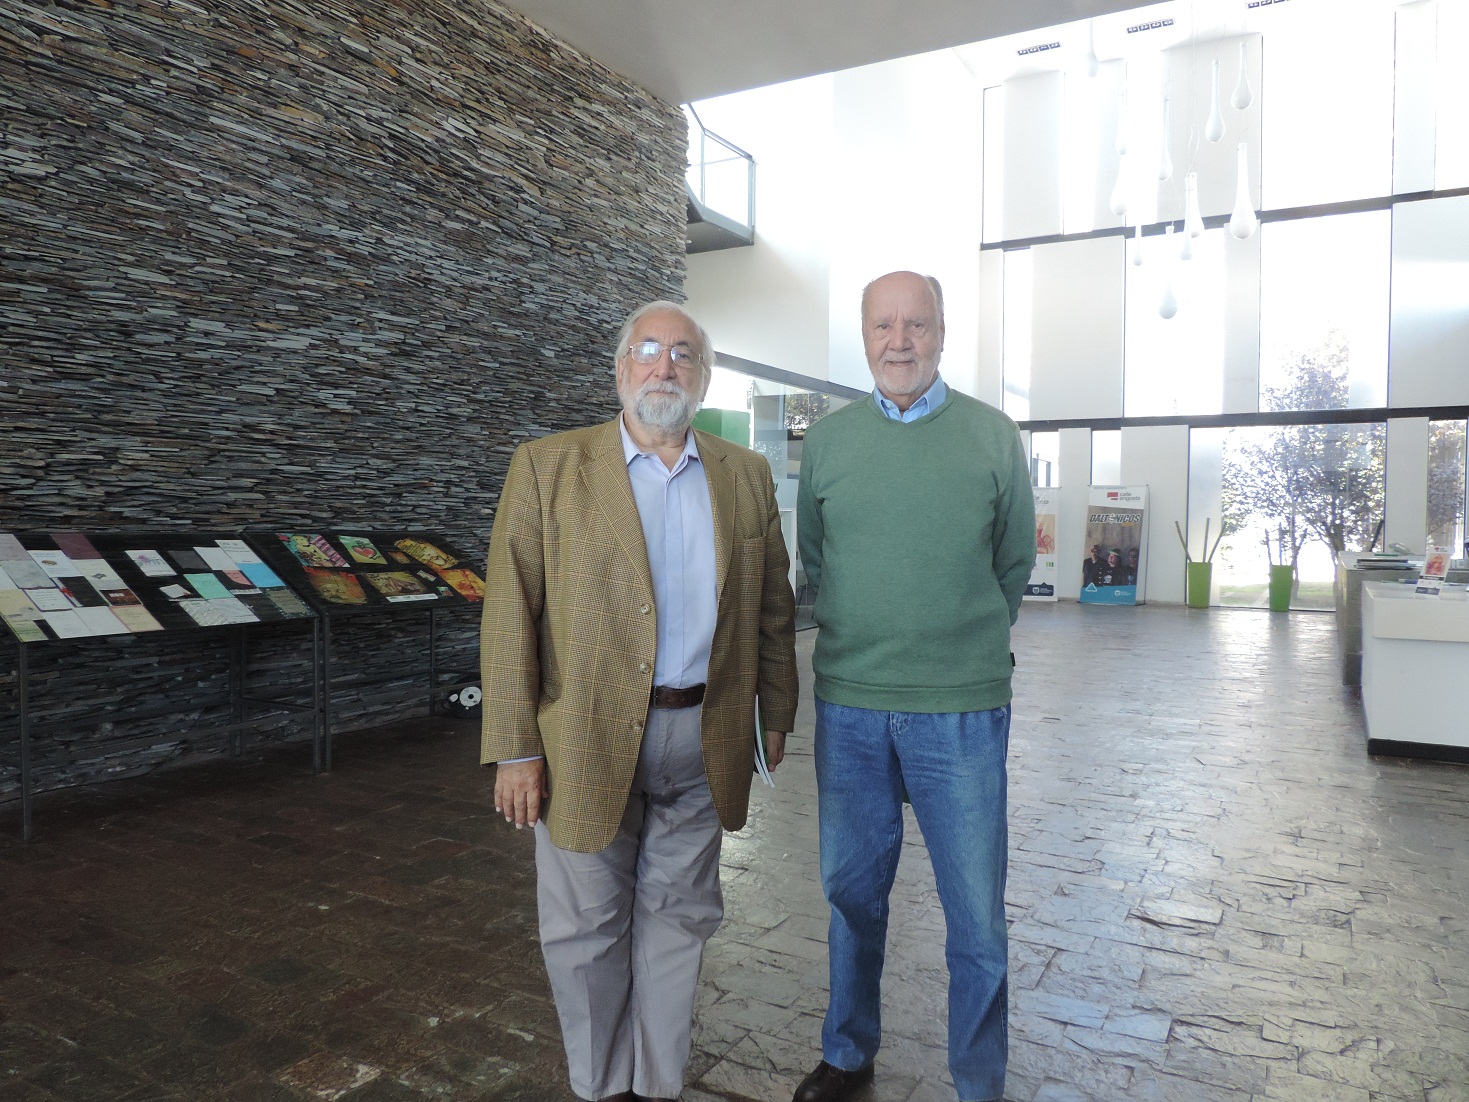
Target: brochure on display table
(72, 585)
(57, 585)
(360, 570)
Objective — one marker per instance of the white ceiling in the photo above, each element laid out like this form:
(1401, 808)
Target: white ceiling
(687, 50)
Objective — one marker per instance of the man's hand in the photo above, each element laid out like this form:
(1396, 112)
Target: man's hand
(775, 748)
(520, 789)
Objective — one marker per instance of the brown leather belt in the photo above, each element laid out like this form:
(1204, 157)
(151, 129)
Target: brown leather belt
(664, 697)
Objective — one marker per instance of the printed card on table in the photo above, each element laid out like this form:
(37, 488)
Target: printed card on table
(152, 564)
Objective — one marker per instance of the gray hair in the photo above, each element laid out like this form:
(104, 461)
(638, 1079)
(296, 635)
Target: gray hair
(705, 349)
(933, 285)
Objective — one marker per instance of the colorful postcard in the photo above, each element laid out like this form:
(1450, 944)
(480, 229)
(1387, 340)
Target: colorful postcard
(465, 583)
(120, 598)
(99, 575)
(427, 554)
(260, 575)
(188, 560)
(362, 550)
(66, 625)
(240, 551)
(25, 574)
(55, 564)
(397, 586)
(49, 600)
(136, 619)
(337, 588)
(101, 621)
(287, 601)
(213, 614)
(74, 545)
(21, 615)
(216, 558)
(152, 564)
(312, 550)
(207, 586)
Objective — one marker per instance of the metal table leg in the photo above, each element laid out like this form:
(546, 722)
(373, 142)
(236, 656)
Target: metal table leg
(23, 672)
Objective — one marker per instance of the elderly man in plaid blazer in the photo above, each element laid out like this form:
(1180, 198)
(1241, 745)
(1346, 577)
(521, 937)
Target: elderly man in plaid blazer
(637, 612)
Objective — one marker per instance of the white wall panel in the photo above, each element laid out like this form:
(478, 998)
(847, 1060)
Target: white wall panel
(1076, 335)
(1242, 324)
(1032, 157)
(1156, 456)
(1075, 461)
(1428, 350)
(1451, 163)
(1406, 483)
(1415, 91)
(990, 310)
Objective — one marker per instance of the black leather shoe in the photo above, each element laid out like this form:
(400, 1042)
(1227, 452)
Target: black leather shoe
(829, 1083)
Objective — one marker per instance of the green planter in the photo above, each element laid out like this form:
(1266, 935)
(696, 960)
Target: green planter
(1200, 578)
(1281, 580)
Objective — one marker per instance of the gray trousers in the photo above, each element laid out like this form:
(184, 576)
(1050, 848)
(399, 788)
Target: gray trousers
(623, 930)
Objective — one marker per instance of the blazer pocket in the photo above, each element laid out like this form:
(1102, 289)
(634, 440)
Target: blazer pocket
(748, 557)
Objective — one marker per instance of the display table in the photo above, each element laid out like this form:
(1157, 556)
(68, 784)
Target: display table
(1415, 652)
(1347, 590)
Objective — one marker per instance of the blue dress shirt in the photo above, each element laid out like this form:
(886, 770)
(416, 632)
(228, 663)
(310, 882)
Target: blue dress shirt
(678, 527)
(928, 401)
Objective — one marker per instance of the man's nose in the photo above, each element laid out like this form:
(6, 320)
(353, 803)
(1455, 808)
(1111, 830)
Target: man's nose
(663, 366)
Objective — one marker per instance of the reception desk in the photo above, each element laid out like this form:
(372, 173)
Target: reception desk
(1347, 589)
(1415, 672)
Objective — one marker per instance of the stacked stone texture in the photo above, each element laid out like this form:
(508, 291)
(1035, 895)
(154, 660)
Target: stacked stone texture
(305, 265)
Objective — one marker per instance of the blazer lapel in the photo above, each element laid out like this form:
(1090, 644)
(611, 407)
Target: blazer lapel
(605, 475)
(722, 500)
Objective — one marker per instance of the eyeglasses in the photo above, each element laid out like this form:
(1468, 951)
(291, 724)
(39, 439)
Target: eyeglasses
(647, 352)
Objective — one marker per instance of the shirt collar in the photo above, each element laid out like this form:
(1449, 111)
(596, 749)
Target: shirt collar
(631, 451)
(928, 401)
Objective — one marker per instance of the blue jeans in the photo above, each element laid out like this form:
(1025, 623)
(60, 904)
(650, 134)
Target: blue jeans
(952, 766)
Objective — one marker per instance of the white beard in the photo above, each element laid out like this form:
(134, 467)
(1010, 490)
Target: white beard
(663, 405)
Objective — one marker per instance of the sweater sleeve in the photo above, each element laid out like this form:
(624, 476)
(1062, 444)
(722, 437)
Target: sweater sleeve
(810, 531)
(1014, 531)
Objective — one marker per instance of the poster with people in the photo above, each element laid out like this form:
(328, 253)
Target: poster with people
(1116, 545)
(1042, 584)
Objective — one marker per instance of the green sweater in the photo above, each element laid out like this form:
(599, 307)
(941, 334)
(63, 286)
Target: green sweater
(919, 539)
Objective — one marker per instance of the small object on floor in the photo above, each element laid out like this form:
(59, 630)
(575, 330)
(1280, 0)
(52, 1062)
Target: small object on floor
(829, 1083)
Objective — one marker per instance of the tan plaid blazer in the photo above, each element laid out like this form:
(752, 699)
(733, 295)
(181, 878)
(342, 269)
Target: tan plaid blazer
(570, 633)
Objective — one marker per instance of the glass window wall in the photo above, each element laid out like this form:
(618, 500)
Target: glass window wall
(1446, 482)
(1296, 495)
(770, 416)
(1324, 286)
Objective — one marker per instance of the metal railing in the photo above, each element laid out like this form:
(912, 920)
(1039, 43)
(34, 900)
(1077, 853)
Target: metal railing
(720, 174)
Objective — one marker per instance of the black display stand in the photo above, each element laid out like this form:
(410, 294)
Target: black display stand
(350, 572)
(57, 588)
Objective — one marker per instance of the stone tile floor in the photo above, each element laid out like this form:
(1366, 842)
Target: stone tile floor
(1216, 896)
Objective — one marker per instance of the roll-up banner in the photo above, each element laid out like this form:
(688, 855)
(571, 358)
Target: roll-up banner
(1112, 571)
(1042, 584)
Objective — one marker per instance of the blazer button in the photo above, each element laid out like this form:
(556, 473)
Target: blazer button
(647, 609)
(637, 725)
(644, 668)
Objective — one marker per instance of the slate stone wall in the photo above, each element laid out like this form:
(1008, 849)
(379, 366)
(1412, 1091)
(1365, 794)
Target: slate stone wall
(299, 264)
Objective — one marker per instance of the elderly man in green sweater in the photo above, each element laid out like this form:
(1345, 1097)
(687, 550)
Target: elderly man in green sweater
(917, 531)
